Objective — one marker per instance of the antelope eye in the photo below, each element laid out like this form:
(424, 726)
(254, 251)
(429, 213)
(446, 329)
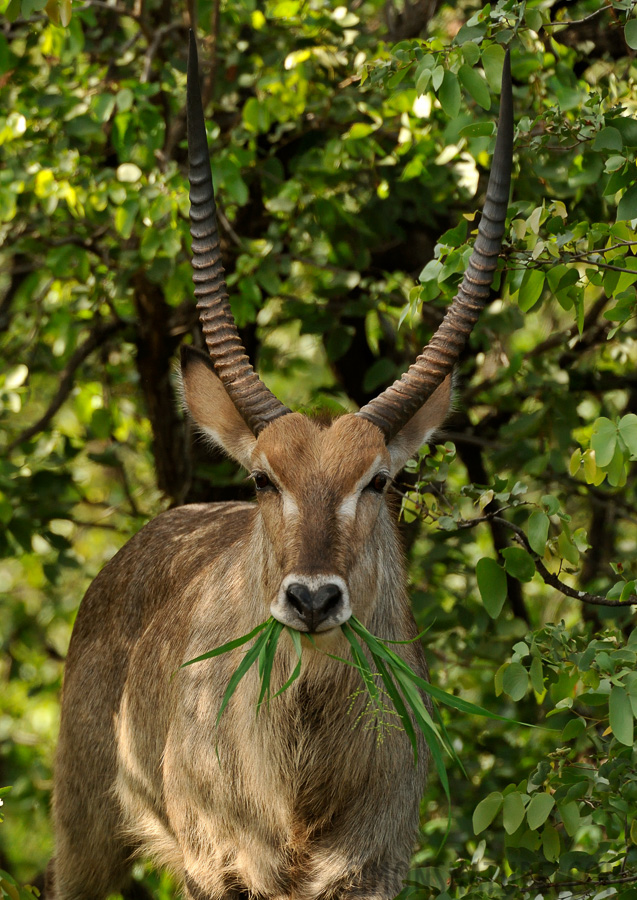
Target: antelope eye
(378, 483)
(261, 481)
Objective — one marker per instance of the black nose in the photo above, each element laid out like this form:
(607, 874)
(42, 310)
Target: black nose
(314, 606)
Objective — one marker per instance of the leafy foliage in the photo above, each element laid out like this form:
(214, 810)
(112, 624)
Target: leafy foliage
(350, 146)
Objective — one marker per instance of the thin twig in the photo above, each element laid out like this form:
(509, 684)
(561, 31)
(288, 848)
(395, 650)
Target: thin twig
(97, 336)
(153, 47)
(578, 21)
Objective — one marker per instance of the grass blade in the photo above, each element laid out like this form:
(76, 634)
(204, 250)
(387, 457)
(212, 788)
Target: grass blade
(266, 661)
(247, 661)
(364, 667)
(231, 645)
(296, 640)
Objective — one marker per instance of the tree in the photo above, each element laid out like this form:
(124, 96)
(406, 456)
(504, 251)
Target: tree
(350, 148)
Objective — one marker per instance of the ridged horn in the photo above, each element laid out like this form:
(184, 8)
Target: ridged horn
(392, 409)
(253, 400)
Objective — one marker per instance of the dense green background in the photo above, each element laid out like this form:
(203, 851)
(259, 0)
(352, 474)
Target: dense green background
(345, 141)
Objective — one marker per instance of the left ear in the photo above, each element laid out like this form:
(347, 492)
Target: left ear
(421, 427)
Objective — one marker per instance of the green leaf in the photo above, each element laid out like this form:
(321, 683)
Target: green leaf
(614, 163)
(449, 94)
(475, 84)
(604, 441)
(573, 729)
(486, 811)
(477, 129)
(616, 470)
(630, 33)
(125, 216)
(492, 63)
(255, 115)
(538, 531)
(519, 563)
(470, 33)
(566, 548)
(513, 810)
(492, 584)
(360, 130)
(533, 18)
(627, 206)
(437, 77)
(550, 503)
(621, 715)
(530, 289)
(515, 681)
(150, 243)
(103, 105)
(627, 429)
(631, 688)
(551, 843)
(13, 10)
(569, 813)
(537, 675)
(31, 6)
(66, 9)
(470, 53)
(539, 810)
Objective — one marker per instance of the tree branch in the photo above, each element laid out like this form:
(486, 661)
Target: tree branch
(97, 336)
(586, 885)
(568, 22)
(548, 577)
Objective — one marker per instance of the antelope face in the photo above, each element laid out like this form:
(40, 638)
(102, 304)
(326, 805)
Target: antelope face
(321, 490)
(322, 495)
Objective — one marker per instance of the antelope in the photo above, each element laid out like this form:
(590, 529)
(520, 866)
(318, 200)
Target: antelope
(295, 803)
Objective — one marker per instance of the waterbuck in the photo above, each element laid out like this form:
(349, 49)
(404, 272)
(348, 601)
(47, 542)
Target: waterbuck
(295, 803)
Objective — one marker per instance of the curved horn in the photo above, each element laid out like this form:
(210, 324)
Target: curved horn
(253, 400)
(392, 409)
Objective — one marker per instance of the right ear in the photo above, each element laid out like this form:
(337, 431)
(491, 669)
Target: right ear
(212, 409)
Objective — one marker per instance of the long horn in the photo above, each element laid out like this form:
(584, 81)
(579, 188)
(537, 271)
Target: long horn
(392, 409)
(254, 401)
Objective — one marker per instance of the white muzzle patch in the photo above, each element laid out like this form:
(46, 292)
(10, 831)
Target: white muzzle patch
(312, 603)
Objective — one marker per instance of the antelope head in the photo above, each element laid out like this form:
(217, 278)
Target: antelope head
(321, 488)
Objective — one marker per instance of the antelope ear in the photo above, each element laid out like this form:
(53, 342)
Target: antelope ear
(421, 427)
(212, 409)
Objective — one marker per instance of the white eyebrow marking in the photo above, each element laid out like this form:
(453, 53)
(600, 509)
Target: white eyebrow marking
(347, 506)
(290, 507)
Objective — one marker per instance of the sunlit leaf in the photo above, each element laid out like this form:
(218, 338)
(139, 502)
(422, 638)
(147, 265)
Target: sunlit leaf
(449, 94)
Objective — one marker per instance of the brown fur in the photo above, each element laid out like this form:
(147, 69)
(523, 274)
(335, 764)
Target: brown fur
(299, 803)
